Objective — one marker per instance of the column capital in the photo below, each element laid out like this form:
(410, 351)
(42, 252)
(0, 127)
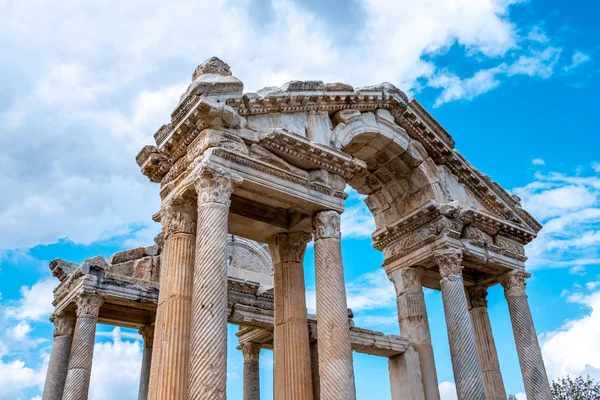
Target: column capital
(88, 304)
(406, 279)
(251, 351)
(449, 261)
(215, 184)
(64, 324)
(178, 216)
(289, 247)
(514, 283)
(326, 224)
(477, 296)
(147, 333)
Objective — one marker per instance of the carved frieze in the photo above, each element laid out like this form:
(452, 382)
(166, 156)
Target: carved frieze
(510, 245)
(326, 224)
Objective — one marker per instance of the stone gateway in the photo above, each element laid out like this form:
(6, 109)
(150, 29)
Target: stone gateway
(247, 180)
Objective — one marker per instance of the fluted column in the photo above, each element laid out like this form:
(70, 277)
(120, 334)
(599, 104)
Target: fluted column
(292, 373)
(82, 350)
(314, 367)
(58, 365)
(465, 363)
(147, 333)
(251, 352)
(336, 372)
(486, 347)
(173, 320)
(208, 346)
(528, 348)
(414, 324)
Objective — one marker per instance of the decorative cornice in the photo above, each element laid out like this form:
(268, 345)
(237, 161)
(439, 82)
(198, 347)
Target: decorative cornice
(514, 283)
(88, 305)
(178, 216)
(477, 295)
(147, 333)
(251, 351)
(449, 261)
(326, 224)
(64, 324)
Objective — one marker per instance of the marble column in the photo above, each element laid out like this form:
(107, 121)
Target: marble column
(528, 348)
(58, 365)
(173, 320)
(82, 350)
(208, 345)
(251, 352)
(414, 324)
(314, 367)
(147, 333)
(486, 347)
(405, 376)
(336, 371)
(465, 362)
(292, 369)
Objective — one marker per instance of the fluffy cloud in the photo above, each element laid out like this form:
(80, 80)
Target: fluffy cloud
(577, 59)
(448, 391)
(569, 207)
(538, 161)
(574, 349)
(83, 93)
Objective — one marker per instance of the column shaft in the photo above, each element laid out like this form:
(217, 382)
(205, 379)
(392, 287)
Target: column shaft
(336, 371)
(314, 367)
(292, 349)
(147, 333)
(486, 347)
(405, 376)
(82, 351)
(528, 348)
(208, 345)
(58, 365)
(174, 322)
(414, 324)
(251, 353)
(465, 362)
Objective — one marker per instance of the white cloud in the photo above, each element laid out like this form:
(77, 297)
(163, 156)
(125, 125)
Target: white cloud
(574, 349)
(521, 396)
(577, 59)
(448, 391)
(16, 377)
(20, 331)
(538, 161)
(577, 270)
(35, 303)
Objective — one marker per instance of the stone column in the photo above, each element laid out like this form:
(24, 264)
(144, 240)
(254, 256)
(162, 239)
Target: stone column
(465, 363)
(82, 351)
(336, 372)
(528, 348)
(414, 324)
(169, 368)
(58, 365)
(314, 367)
(251, 352)
(292, 372)
(486, 347)
(147, 333)
(208, 346)
(405, 376)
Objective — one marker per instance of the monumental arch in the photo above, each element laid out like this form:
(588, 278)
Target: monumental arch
(270, 168)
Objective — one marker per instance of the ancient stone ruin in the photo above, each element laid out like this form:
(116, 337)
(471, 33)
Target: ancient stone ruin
(246, 181)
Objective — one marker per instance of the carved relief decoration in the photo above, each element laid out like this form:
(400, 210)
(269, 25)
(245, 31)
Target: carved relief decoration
(407, 279)
(289, 247)
(178, 216)
(477, 296)
(449, 261)
(514, 283)
(326, 224)
(88, 305)
(63, 324)
(251, 351)
(215, 186)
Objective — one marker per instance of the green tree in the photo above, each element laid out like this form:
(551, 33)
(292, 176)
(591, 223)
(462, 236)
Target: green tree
(575, 389)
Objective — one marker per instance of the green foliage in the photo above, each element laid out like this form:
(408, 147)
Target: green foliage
(575, 389)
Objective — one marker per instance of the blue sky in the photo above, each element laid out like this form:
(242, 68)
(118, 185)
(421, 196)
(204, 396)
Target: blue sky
(85, 85)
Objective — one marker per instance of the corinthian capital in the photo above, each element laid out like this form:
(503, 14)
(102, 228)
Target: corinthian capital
(289, 247)
(178, 215)
(514, 283)
(215, 185)
(251, 351)
(407, 279)
(63, 324)
(449, 261)
(477, 296)
(326, 224)
(88, 305)
(147, 333)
